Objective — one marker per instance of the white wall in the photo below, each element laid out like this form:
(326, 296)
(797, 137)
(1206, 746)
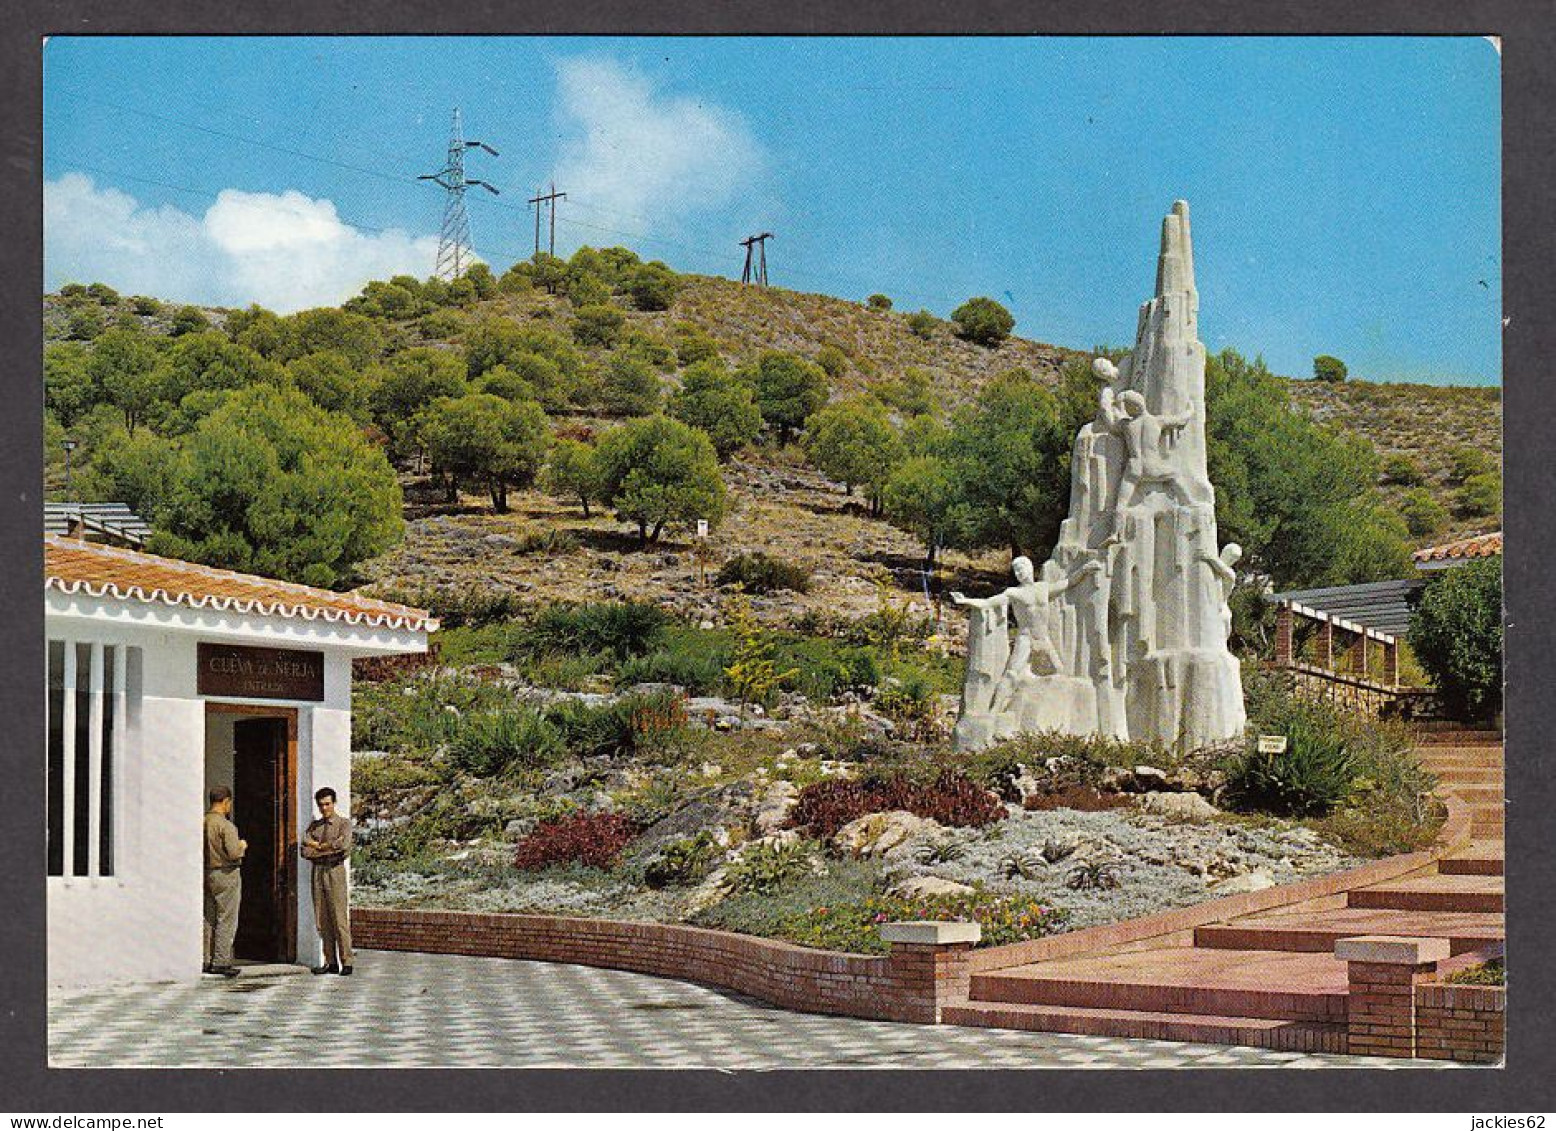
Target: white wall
(144, 923)
(219, 751)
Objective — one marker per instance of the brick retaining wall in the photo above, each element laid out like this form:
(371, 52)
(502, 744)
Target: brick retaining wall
(912, 983)
(1461, 1022)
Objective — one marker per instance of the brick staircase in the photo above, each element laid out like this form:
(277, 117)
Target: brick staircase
(1270, 978)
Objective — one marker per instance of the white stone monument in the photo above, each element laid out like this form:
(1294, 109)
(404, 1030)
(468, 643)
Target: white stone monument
(1124, 630)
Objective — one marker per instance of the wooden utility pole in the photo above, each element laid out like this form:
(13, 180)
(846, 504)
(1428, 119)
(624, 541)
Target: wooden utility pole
(756, 267)
(542, 198)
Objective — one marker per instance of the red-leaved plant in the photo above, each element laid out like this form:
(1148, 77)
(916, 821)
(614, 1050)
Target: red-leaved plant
(595, 839)
(951, 799)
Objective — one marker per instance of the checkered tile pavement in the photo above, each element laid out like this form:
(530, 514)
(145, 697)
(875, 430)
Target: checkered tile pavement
(440, 1011)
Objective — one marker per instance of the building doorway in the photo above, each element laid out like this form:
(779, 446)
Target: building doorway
(253, 750)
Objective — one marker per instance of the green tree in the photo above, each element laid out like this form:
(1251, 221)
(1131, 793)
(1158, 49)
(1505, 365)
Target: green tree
(332, 383)
(788, 390)
(1008, 451)
(270, 483)
(878, 302)
(126, 366)
(1456, 633)
(1299, 498)
(587, 289)
(572, 472)
(658, 473)
(502, 444)
(630, 387)
(712, 400)
(103, 293)
(388, 300)
(329, 328)
(597, 324)
(1331, 369)
(264, 332)
(923, 498)
(983, 321)
(188, 320)
(86, 324)
(505, 383)
(482, 279)
(912, 394)
(499, 341)
(408, 383)
(209, 360)
(922, 324)
(68, 386)
(854, 443)
(652, 286)
(1422, 513)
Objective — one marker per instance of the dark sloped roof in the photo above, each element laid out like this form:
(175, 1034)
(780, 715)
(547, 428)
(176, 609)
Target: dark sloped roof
(105, 518)
(1381, 605)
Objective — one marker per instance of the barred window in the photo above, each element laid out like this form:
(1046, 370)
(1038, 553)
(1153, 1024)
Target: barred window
(88, 686)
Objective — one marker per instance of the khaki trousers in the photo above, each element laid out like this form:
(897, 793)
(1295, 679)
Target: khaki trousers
(332, 912)
(223, 892)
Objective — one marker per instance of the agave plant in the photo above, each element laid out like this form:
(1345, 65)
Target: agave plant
(1096, 876)
(939, 852)
(1027, 864)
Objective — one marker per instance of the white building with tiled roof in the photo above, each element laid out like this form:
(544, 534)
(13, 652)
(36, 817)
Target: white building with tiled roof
(165, 679)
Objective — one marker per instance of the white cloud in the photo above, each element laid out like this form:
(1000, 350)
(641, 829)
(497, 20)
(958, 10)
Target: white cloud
(635, 152)
(286, 251)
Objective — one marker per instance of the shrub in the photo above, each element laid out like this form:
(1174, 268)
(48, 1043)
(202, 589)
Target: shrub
(592, 839)
(597, 324)
(469, 606)
(878, 302)
(1492, 972)
(1481, 495)
(951, 799)
(1400, 468)
(825, 670)
(910, 704)
(761, 573)
(922, 325)
(188, 320)
(833, 360)
(623, 629)
(686, 658)
(983, 321)
(1082, 798)
(1422, 513)
(766, 866)
(629, 387)
(652, 286)
(1307, 779)
(694, 344)
(682, 862)
(1466, 461)
(491, 743)
(1456, 633)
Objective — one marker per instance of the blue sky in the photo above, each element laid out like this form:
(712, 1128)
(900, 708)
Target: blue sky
(1345, 192)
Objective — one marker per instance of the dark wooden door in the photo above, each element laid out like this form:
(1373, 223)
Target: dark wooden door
(259, 787)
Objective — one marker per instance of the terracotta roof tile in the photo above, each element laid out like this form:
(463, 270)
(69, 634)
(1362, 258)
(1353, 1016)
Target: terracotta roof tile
(72, 566)
(1480, 546)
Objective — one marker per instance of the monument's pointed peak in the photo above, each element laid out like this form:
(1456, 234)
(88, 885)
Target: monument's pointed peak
(1175, 266)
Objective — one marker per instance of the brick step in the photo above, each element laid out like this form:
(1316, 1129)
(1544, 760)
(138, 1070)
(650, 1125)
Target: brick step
(1456, 736)
(1316, 932)
(1455, 776)
(1482, 858)
(1490, 757)
(1433, 893)
(1218, 982)
(1254, 1032)
(1481, 796)
(1487, 824)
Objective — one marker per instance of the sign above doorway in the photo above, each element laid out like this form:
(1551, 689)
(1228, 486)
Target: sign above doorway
(260, 673)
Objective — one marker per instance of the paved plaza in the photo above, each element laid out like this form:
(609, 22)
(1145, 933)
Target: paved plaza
(436, 1011)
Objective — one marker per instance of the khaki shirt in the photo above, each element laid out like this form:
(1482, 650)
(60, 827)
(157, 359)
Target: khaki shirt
(222, 850)
(334, 833)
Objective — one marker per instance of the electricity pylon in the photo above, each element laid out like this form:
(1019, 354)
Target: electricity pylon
(455, 254)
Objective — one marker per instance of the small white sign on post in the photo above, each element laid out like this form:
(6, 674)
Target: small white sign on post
(702, 528)
(1272, 744)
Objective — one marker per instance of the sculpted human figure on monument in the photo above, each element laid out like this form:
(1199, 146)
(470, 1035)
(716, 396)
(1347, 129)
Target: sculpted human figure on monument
(1033, 652)
(1148, 461)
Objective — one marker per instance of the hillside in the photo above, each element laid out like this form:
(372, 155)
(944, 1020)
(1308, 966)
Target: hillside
(1422, 422)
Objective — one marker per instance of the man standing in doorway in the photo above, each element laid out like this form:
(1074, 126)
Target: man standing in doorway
(327, 843)
(223, 883)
